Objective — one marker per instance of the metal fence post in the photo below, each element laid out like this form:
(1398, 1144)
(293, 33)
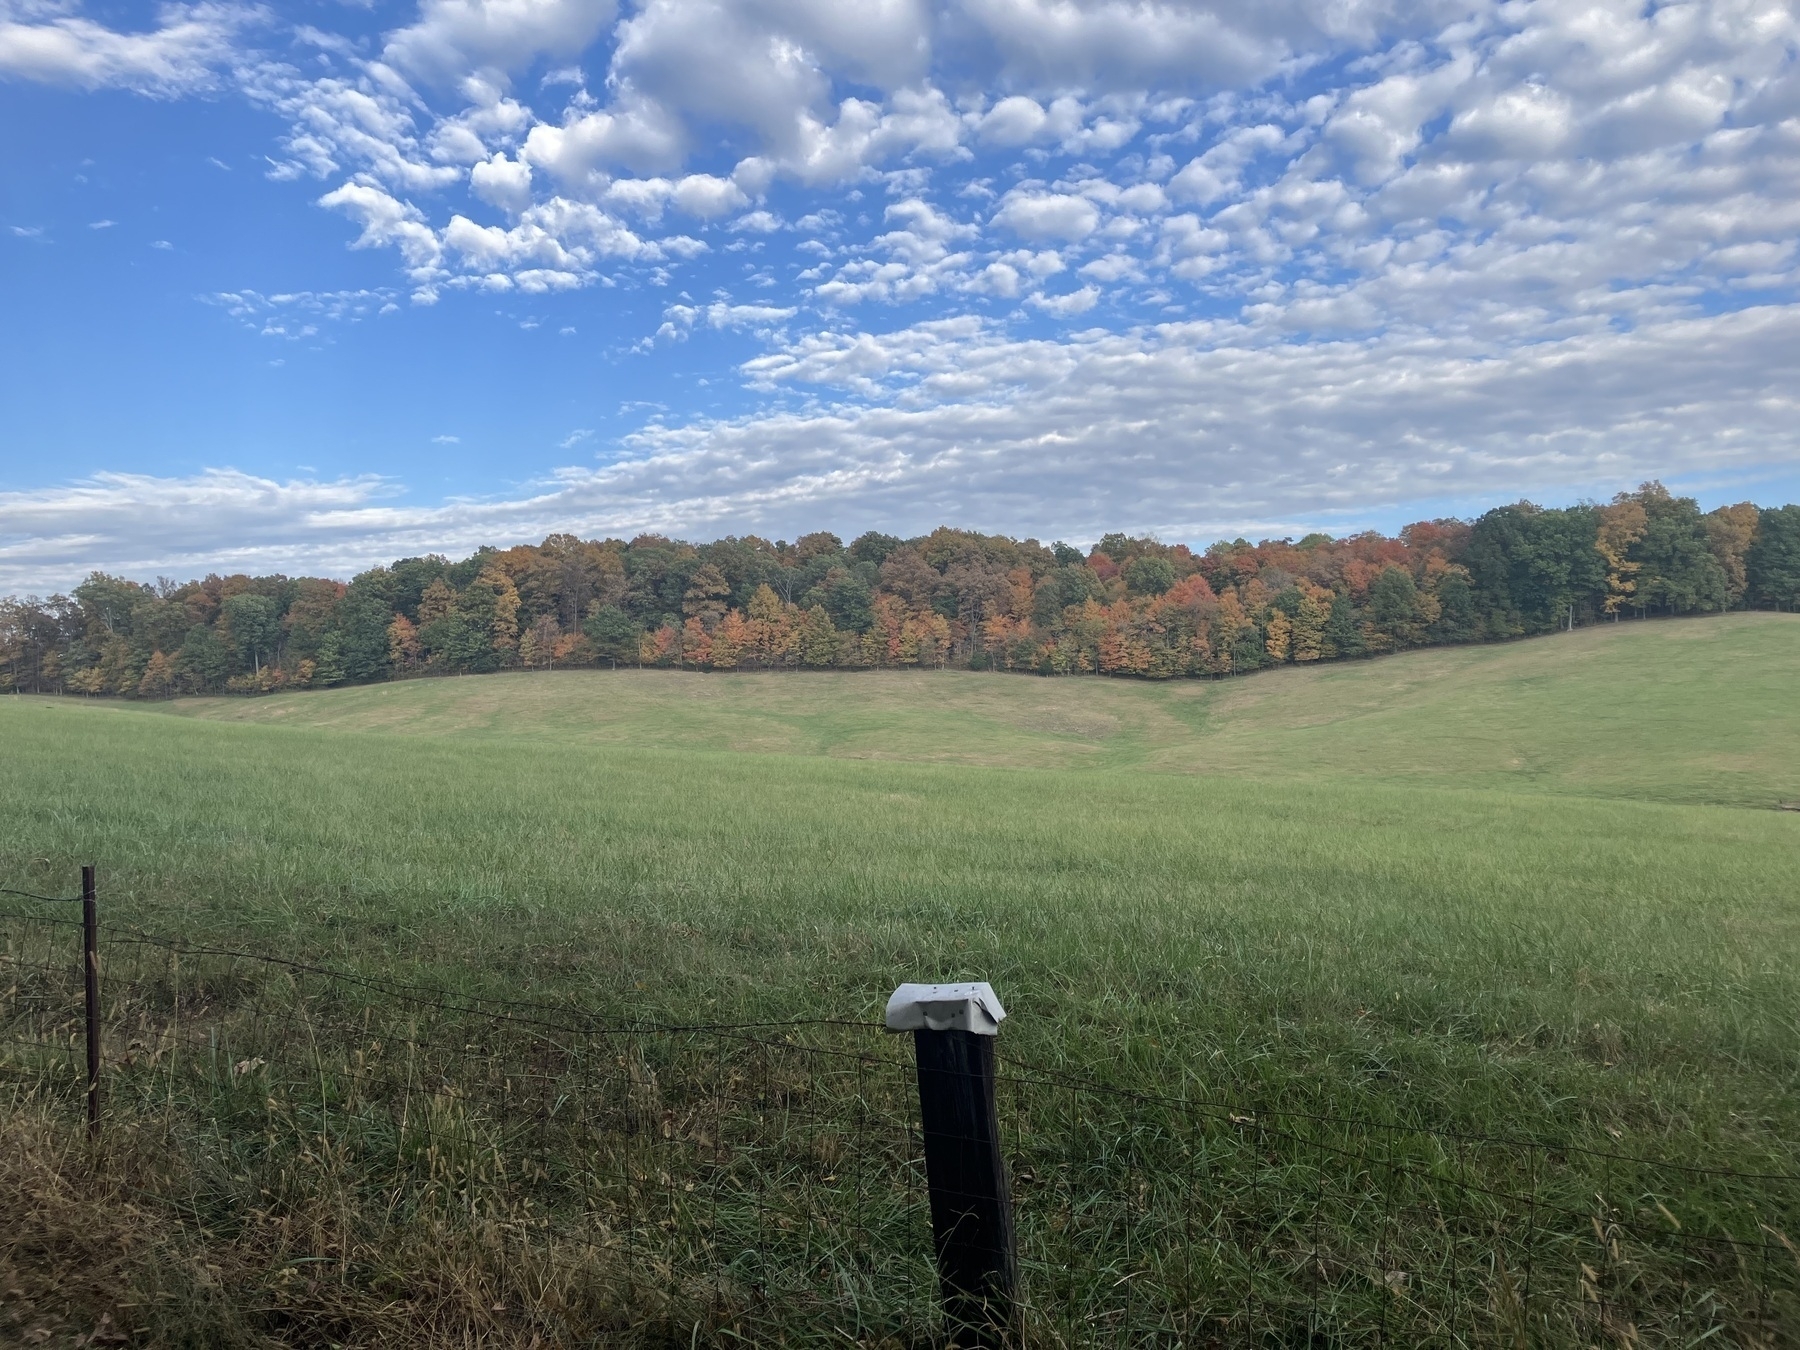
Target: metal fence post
(90, 960)
(953, 1030)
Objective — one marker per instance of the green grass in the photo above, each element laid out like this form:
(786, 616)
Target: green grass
(1524, 890)
(1698, 710)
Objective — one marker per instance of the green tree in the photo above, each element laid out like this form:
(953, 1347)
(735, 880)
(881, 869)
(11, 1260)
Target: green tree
(614, 635)
(873, 547)
(361, 625)
(328, 666)
(1149, 575)
(847, 597)
(1394, 606)
(107, 604)
(203, 661)
(1343, 634)
(1457, 619)
(254, 625)
(818, 639)
(1676, 566)
(489, 611)
(1772, 566)
(1529, 566)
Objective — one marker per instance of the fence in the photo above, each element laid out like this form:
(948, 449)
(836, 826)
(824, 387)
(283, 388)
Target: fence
(414, 1163)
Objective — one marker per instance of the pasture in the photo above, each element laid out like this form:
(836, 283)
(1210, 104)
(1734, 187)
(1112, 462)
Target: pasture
(1530, 890)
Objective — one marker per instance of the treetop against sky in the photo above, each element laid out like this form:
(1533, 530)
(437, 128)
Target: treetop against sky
(1131, 607)
(304, 287)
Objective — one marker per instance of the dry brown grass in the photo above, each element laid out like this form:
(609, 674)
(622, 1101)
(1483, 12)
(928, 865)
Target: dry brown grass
(129, 1243)
(83, 1261)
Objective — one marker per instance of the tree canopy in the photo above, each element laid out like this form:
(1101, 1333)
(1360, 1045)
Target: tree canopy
(1128, 606)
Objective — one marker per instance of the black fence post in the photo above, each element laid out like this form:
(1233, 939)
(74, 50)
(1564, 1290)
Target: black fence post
(953, 1030)
(90, 960)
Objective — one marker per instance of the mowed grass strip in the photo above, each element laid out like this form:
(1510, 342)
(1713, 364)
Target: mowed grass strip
(1690, 710)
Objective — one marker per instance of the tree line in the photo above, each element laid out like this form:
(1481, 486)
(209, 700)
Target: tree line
(1128, 606)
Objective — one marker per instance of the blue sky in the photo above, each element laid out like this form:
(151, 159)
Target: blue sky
(310, 286)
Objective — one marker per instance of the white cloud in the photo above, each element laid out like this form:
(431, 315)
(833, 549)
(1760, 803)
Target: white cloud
(706, 196)
(1169, 44)
(387, 221)
(44, 42)
(502, 182)
(1047, 215)
(756, 222)
(1192, 430)
(1068, 305)
(1213, 175)
(1114, 267)
(455, 37)
(1453, 189)
(1013, 121)
(288, 313)
(679, 320)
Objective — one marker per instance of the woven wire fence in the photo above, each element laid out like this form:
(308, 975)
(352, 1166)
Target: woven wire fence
(715, 1184)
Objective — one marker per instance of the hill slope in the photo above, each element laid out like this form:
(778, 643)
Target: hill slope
(1700, 710)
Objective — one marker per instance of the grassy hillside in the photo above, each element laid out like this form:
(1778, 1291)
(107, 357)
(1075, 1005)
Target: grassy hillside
(1359, 829)
(1699, 710)
(1395, 890)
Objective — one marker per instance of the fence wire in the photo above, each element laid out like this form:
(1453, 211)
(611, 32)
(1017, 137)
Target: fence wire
(764, 1183)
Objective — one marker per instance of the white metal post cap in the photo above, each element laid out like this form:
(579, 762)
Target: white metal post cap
(945, 1007)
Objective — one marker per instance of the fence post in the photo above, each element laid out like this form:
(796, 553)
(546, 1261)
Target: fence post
(90, 960)
(953, 1028)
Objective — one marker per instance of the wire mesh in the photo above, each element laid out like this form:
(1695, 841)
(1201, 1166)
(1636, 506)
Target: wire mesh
(764, 1183)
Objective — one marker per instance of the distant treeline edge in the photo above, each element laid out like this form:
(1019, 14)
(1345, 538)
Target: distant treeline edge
(951, 598)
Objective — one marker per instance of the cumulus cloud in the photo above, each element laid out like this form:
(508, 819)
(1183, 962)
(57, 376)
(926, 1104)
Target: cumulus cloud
(1047, 215)
(385, 220)
(1013, 121)
(503, 182)
(182, 54)
(1447, 243)
(1071, 303)
(454, 37)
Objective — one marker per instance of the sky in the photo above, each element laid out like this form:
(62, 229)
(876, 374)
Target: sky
(311, 286)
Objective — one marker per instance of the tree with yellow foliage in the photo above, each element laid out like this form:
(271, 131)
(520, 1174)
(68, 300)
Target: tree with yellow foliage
(1731, 533)
(1280, 630)
(1310, 618)
(1621, 525)
(159, 676)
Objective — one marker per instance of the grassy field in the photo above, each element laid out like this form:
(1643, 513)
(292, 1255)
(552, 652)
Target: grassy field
(1698, 710)
(1524, 890)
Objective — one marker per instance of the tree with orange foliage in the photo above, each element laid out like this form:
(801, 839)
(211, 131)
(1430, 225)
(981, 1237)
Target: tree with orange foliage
(159, 677)
(403, 644)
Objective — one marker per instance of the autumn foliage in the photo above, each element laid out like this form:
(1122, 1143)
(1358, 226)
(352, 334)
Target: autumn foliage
(1127, 607)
